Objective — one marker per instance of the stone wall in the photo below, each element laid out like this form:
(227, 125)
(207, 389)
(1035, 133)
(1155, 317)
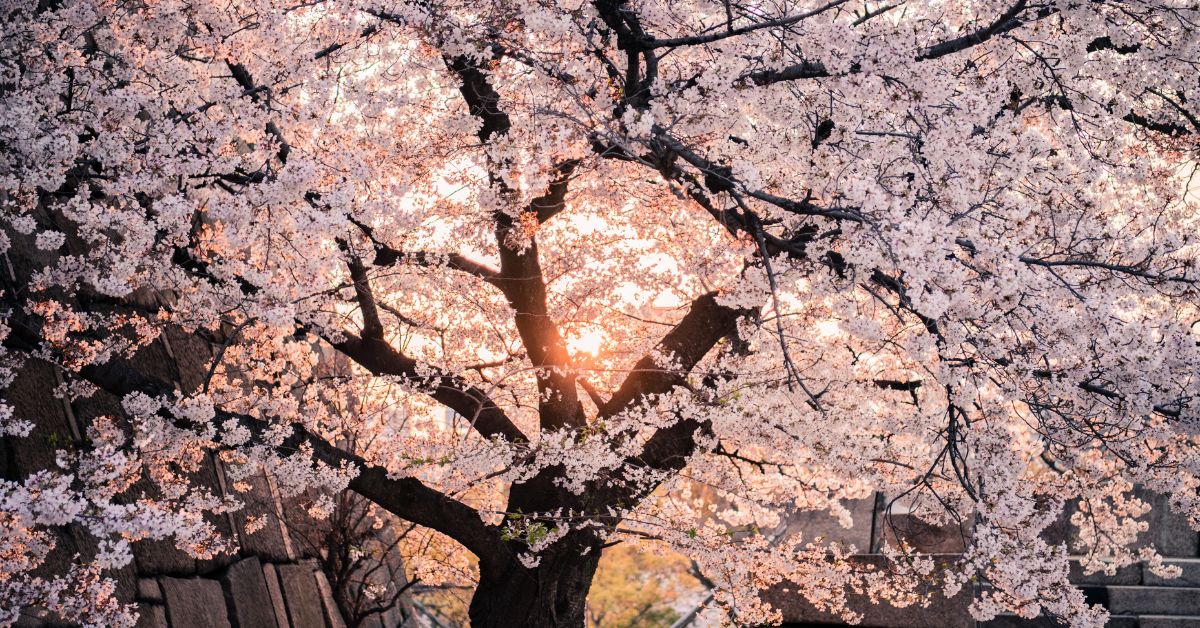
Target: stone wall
(1134, 597)
(269, 583)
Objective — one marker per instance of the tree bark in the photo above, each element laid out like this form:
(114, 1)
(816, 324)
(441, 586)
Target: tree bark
(551, 595)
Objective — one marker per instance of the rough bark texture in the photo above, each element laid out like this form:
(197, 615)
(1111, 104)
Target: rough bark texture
(554, 594)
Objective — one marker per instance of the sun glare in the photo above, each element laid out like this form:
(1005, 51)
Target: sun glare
(586, 342)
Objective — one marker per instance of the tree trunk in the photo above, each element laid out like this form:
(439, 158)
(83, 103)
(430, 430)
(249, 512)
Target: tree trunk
(551, 595)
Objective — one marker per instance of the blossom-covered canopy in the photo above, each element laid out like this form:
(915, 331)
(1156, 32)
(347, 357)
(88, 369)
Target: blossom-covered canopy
(793, 251)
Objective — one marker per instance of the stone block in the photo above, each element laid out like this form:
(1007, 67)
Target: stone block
(151, 615)
(149, 591)
(34, 618)
(126, 580)
(333, 615)
(941, 612)
(923, 537)
(1061, 531)
(193, 357)
(31, 396)
(247, 595)
(208, 475)
(301, 595)
(1169, 531)
(98, 404)
(24, 257)
(1012, 621)
(820, 523)
(155, 360)
(271, 577)
(71, 545)
(161, 556)
(1095, 595)
(1144, 600)
(268, 542)
(1189, 578)
(1167, 621)
(1130, 574)
(195, 603)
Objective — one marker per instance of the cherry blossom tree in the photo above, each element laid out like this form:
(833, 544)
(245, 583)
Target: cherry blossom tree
(796, 252)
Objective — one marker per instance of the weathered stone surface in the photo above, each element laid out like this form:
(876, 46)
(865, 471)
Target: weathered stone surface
(31, 397)
(1167, 621)
(33, 618)
(126, 580)
(301, 595)
(1061, 531)
(208, 476)
(1189, 578)
(150, 557)
(247, 595)
(195, 603)
(1095, 594)
(271, 577)
(151, 615)
(813, 524)
(393, 618)
(149, 591)
(73, 544)
(923, 537)
(1130, 574)
(154, 359)
(1169, 531)
(942, 612)
(268, 542)
(161, 556)
(1012, 621)
(333, 616)
(98, 404)
(192, 357)
(1144, 600)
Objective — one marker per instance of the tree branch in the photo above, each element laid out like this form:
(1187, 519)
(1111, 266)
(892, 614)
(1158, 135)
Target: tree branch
(706, 323)
(407, 498)
(387, 256)
(671, 42)
(520, 277)
(1006, 22)
(246, 82)
(452, 391)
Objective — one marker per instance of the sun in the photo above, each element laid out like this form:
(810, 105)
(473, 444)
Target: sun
(588, 342)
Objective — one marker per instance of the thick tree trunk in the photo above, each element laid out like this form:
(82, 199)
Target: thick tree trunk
(552, 595)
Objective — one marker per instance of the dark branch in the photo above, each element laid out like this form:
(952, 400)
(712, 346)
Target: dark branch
(705, 324)
(652, 42)
(1006, 22)
(380, 358)
(520, 277)
(407, 498)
